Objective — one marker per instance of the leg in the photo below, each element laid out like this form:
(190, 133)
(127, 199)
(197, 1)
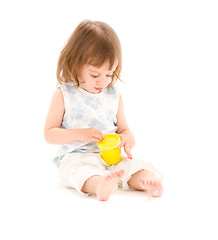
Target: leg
(102, 186)
(146, 181)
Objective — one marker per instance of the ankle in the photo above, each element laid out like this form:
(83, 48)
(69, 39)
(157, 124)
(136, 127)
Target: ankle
(91, 184)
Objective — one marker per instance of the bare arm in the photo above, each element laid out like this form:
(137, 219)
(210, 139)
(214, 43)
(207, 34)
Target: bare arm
(53, 132)
(127, 138)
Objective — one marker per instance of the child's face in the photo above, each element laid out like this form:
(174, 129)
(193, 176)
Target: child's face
(93, 79)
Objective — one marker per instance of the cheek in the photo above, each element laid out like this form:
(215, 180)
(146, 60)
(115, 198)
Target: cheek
(83, 78)
(109, 81)
(90, 80)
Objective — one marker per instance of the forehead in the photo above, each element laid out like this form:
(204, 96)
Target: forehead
(105, 67)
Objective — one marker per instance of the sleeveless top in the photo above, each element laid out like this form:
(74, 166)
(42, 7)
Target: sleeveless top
(86, 110)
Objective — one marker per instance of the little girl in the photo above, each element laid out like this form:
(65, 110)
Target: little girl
(86, 106)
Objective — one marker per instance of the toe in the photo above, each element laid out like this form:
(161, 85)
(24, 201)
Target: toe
(141, 181)
(155, 193)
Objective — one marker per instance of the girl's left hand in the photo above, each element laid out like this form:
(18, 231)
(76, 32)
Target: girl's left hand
(128, 142)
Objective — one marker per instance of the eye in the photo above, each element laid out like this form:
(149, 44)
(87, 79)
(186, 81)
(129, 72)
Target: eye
(94, 76)
(109, 75)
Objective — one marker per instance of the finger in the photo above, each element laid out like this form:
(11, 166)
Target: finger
(121, 145)
(96, 139)
(99, 135)
(102, 136)
(129, 155)
(128, 151)
(121, 142)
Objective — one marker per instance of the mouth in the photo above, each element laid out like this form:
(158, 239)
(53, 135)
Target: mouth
(98, 89)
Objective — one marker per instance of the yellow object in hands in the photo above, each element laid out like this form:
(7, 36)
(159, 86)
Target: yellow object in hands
(109, 149)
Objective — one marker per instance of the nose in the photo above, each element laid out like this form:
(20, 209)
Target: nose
(101, 80)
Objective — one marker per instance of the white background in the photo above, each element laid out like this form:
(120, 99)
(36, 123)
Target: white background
(170, 59)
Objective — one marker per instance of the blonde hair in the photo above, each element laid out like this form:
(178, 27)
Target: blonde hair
(94, 43)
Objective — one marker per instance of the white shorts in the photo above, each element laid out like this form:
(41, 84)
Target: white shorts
(76, 168)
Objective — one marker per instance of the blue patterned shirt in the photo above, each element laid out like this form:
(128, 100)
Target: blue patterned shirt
(86, 110)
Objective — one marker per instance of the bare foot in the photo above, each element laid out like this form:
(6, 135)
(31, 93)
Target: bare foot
(106, 185)
(152, 184)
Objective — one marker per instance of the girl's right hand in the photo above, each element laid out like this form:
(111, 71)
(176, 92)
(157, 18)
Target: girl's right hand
(91, 135)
